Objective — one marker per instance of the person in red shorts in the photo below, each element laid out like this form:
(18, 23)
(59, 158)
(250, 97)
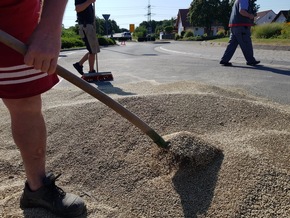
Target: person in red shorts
(22, 81)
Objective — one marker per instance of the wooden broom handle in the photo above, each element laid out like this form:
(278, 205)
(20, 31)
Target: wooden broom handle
(20, 47)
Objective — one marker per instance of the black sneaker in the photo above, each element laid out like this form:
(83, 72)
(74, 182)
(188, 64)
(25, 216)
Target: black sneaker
(93, 71)
(227, 64)
(79, 68)
(53, 199)
(254, 63)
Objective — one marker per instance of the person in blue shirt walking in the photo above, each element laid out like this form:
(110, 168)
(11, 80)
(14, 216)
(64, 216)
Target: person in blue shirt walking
(240, 23)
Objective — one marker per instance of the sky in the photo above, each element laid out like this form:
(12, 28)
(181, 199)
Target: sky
(126, 12)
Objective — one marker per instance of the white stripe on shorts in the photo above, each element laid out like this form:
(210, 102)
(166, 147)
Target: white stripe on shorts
(7, 76)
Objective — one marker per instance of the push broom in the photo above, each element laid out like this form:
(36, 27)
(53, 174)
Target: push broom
(97, 76)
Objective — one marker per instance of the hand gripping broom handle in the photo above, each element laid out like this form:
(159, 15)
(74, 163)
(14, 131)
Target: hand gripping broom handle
(17, 45)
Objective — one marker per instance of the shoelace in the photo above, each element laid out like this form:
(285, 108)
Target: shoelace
(54, 189)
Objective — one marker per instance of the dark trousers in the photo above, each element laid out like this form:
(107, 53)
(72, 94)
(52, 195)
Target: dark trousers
(240, 36)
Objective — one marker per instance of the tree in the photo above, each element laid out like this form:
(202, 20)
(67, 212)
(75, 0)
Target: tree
(168, 29)
(101, 26)
(224, 13)
(254, 6)
(140, 31)
(150, 26)
(203, 13)
(157, 26)
(166, 25)
(114, 27)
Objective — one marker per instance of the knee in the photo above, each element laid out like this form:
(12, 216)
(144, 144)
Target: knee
(23, 105)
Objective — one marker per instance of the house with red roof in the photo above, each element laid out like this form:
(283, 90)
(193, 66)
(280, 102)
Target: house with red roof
(182, 24)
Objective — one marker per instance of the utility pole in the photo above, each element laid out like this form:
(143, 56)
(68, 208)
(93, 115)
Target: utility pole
(149, 12)
(149, 30)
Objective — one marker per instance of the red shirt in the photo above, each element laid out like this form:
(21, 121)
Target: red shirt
(19, 18)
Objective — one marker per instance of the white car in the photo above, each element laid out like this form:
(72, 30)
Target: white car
(127, 35)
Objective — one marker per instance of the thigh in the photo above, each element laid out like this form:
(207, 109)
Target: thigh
(242, 34)
(233, 38)
(233, 42)
(24, 105)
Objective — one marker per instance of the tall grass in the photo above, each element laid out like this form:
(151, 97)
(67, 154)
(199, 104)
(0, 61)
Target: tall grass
(271, 30)
(285, 33)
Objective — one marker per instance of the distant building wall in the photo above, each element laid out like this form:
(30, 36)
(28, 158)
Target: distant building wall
(281, 19)
(267, 18)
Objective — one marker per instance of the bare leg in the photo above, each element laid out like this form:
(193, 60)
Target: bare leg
(29, 134)
(84, 59)
(92, 58)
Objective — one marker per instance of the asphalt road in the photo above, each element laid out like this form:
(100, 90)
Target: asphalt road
(191, 61)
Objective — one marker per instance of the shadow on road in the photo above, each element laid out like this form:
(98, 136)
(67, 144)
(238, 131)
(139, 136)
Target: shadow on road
(269, 69)
(108, 88)
(133, 54)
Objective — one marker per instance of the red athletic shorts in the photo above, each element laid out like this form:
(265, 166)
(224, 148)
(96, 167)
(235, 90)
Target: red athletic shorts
(17, 80)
